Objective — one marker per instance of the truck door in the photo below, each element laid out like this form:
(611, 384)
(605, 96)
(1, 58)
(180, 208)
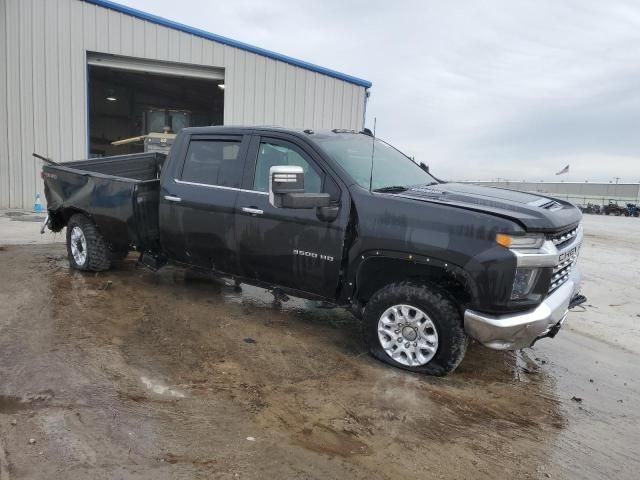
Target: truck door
(297, 249)
(197, 206)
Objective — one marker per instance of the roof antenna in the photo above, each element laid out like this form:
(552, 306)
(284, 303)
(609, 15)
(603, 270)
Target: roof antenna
(373, 151)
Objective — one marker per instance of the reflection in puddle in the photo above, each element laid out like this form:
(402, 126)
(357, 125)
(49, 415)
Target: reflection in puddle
(156, 387)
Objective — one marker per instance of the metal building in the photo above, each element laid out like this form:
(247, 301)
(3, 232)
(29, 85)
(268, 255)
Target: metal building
(77, 75)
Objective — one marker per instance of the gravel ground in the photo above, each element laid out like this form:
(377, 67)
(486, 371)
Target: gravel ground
(130, 374)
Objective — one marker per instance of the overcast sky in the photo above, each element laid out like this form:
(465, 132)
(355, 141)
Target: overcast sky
(477, 89)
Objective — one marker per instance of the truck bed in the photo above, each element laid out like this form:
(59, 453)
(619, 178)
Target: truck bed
(119, 193)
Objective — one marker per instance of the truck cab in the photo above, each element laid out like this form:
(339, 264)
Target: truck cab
(344, 217)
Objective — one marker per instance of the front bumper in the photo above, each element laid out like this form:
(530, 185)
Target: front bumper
(521, 330)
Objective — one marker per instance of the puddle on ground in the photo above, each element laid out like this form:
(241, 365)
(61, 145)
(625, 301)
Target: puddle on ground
(160, 389)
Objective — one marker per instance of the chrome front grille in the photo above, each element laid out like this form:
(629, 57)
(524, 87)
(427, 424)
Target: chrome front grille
(569, 248)
(563, 238)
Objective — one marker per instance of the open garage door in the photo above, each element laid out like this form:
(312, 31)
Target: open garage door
(131, 97)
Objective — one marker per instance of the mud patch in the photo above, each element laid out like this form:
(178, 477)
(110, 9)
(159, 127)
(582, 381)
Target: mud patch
(120, 358)
(326, 440)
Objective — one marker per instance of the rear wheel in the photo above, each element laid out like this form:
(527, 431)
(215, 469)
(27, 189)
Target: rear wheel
(86, 247)
(415, 327)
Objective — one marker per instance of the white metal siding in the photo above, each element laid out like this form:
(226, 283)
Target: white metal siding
(43, 83)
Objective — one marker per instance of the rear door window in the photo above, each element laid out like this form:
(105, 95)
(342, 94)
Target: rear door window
(213, 162)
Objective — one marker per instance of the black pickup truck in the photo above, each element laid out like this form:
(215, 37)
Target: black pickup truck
(338, 216)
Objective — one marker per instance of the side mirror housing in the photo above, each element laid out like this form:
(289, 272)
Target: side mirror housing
(286, 189)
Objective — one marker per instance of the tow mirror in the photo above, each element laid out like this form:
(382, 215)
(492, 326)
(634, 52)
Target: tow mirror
(286, 189)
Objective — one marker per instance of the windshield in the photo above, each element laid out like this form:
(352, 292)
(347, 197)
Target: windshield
(391, 168)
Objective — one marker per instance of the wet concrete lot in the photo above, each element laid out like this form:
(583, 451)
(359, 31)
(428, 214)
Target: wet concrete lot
(137, 375)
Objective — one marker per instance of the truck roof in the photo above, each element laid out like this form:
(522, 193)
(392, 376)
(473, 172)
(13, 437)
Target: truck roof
(267, 128)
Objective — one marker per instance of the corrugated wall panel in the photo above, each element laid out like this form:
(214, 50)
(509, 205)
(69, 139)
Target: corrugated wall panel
(269, 92)
(126, 35)
(89, 25)
(43, 89)
(39, 88)
(309, 99)
(13, 105)
(79, 85)
(249, 89)
(26, 100)
(260, 91)
(162, 38)
(102, 27)
(64, 79)
(280, 94)
(4, 120)
(114, 29)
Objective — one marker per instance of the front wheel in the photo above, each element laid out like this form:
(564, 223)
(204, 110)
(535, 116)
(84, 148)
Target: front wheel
(415, 327)
(86, 246)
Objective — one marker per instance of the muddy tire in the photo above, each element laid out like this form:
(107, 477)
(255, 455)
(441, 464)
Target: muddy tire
(86, 247)
(416, 327)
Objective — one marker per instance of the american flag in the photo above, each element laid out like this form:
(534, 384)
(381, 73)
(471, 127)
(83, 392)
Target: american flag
(564, 170)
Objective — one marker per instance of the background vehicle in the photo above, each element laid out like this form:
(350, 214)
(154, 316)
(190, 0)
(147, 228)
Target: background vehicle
(591, 208)
(613, 209)
(632, 210)
(337, 216)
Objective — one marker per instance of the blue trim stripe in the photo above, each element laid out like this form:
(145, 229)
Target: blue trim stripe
(228, 41)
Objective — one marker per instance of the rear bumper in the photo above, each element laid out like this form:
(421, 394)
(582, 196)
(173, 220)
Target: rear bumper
(521, 330)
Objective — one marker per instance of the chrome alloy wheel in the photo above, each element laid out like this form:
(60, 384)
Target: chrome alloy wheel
(78, 246)
(408, 335)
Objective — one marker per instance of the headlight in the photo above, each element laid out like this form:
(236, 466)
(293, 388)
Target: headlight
(523, 282)
(531, 240)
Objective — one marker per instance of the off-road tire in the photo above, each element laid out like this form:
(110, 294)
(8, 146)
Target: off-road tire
(441, 308)
(98, 256)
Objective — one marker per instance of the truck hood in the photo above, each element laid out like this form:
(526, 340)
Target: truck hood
(535, 213)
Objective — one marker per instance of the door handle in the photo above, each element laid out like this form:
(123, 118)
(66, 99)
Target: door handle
(252, 211)
(172, 198)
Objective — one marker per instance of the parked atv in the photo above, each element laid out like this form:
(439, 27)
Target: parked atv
(592, 208)
(632, 210)
(613, 209)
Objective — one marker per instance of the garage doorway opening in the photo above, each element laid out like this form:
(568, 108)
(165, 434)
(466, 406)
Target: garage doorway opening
(129, 99)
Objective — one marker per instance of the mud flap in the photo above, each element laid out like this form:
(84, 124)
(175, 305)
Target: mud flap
(152, 261)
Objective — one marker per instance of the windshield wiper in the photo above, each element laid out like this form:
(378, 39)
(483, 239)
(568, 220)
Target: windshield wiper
(391, 189)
